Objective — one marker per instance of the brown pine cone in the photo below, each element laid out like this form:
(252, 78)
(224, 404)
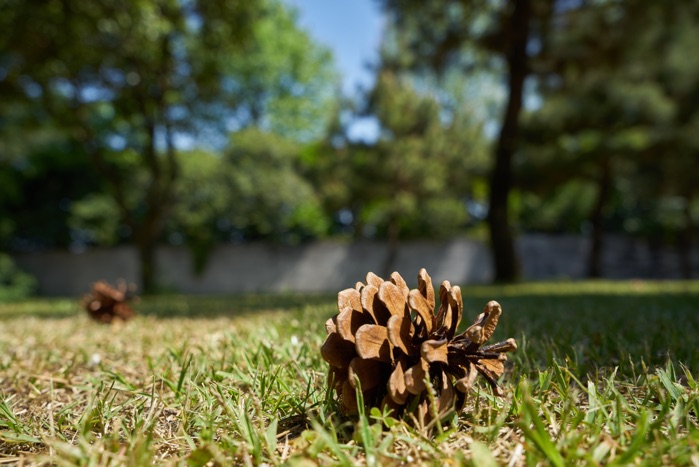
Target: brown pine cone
(106, 303)
(387, 339)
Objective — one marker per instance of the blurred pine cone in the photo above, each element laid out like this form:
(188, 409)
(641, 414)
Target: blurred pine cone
(106, 303)
(387, 339)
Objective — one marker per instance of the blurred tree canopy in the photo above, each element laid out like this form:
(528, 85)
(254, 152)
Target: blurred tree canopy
(474, 34)
(130, 82)
(284, 83)
(254, 192)
(415, 180)
(618, 92)
(199, 122)
(612, 88)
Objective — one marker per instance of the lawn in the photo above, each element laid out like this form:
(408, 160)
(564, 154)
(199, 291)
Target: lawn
(604, 374)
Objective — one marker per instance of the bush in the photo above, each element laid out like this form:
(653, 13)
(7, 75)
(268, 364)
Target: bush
(14, 283)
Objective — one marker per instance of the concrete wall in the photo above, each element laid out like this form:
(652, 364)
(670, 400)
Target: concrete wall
(329, 266)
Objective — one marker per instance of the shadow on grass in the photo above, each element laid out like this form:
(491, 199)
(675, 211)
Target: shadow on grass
(193, 306)
(173, 306)
(597, 330)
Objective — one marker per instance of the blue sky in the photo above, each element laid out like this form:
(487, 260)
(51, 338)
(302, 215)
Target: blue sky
(352, 30)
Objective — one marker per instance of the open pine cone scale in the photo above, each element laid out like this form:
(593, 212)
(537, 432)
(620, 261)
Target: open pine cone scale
(388, 340)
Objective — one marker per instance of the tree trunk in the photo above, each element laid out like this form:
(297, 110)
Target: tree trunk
(505, 261)
(604, 186)
(146, 239)
(685, 240)
(146, 261)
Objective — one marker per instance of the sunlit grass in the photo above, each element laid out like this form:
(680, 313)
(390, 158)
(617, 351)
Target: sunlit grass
(605, 374)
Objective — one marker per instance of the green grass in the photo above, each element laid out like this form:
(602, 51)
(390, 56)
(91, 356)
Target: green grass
(604, 374)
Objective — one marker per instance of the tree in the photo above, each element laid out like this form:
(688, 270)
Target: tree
(269, 196)
(120, 75)
(285, 83)
(611, 105)
(38, 192)
(128, 80)
(678, 75)
(202, 202)
(463, 34)
(416, 179)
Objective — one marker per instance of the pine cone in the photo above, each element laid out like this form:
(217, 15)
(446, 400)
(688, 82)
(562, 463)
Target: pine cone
(387, 339)
(106, 303)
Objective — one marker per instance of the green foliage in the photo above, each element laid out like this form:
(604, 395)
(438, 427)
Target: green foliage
(613, 112)
(254, 192)
(125, 82)
(422, 166)
(466, 35)
(201, 201)
(14, 283)
(98, 100)
(41, 187)
(123, 78)
(285, 83)
(563, 209)
(414, 181)
(610, 99)
(94, 219)
(268, 196)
